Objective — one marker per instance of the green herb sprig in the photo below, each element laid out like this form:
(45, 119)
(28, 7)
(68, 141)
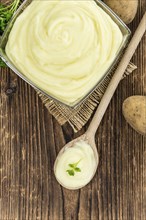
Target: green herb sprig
(73, 169)
(2, 64)
(6, 12)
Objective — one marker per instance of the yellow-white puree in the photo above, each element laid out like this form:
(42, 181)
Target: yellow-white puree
(64, 47)
(82, 155)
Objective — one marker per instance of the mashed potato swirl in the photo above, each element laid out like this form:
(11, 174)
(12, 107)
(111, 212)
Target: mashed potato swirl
(82, 154)
(64, 47)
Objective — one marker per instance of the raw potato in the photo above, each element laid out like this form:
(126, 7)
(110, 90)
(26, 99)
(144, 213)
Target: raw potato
(134, 111)
(125, 9)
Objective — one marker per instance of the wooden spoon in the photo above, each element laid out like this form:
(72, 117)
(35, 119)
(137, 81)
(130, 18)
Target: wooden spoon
(89, 136)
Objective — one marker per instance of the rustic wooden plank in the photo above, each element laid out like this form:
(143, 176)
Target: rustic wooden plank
(30, 139)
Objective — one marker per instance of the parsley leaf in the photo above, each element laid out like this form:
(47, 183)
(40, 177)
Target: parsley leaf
(71, 172)
(71, 165)
(6, 12)
(2, 64)
(77, 169)
(74, 169)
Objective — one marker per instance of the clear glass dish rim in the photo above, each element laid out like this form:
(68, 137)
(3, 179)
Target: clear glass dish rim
(3, 56)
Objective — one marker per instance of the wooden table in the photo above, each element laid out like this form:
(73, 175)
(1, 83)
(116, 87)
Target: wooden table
(30, 139)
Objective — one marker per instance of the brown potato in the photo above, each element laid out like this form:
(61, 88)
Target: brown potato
(125, 9)
(134, 111)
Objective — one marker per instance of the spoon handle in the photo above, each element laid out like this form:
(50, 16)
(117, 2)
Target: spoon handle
(117, 77)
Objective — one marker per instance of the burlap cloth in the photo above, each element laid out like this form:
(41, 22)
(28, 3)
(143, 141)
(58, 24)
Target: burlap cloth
(79, 116)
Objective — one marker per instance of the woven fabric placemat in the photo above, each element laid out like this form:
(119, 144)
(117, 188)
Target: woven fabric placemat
(79, 116)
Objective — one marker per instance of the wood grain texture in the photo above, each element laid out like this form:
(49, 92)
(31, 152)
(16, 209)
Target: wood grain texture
(30, 139)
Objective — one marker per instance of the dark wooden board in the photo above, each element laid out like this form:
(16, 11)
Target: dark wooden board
(30, 139)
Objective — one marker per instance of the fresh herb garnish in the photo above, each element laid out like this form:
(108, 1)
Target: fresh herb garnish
(6, 12)
(73, 169)
(2, 64)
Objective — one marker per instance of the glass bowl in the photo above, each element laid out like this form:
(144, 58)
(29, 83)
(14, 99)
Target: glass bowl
(124, 29)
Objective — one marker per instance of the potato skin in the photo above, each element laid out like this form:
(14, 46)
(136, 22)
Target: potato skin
(125, 9)
(134, 111)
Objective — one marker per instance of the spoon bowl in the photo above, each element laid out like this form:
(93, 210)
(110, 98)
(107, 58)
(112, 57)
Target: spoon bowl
(89, 140)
